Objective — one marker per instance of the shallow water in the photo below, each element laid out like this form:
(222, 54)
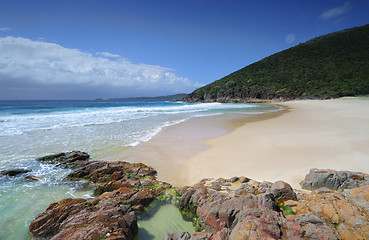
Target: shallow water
(31, 129)
(21, 200)
(163, 218)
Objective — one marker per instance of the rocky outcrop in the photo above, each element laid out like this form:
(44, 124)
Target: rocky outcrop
(336, 180)
(98, 218)
(223, 209)
(248, 211)
(14, 172)
(346, 218)
(74, 159)
(231, 209)
(123, 188)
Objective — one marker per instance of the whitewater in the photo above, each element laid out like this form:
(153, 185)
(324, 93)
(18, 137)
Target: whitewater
(31, 129)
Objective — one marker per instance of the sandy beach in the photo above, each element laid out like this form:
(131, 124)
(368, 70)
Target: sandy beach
(272, 146)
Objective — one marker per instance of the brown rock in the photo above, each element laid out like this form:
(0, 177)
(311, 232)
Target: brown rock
(74, 159)
(102, 172)
(249, 216)
(32, 178)
(14, 172)
(282, 191)
(81, 219)
(110, 215)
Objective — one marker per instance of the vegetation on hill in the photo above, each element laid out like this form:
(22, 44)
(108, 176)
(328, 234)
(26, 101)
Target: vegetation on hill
(328, 66)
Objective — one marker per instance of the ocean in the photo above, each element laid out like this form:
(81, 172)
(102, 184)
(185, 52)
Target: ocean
(31, 129)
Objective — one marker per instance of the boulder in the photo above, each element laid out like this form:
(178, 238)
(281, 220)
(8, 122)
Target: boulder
(115, 175)
(102, 172)
(336, 180)
(14, 172)
(234, 179)
(282, 191)
(81, 219)
(74, 159)
(244, 179)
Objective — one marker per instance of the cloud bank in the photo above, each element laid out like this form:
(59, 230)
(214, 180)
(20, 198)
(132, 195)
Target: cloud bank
(40, 70)
(336, 12)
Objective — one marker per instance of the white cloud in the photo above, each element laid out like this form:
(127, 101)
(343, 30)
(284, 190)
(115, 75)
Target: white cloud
(36, 65)
(335, 12)
(5, 29)
(109, 55)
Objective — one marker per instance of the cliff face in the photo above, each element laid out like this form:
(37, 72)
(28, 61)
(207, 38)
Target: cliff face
(328, 66)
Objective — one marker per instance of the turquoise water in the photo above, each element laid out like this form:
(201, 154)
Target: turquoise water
(30, 129)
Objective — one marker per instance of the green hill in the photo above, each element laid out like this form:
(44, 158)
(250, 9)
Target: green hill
(329, 66)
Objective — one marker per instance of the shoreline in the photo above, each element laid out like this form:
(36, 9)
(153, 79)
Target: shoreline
(313, 134)
(281, 145)
(169, 151)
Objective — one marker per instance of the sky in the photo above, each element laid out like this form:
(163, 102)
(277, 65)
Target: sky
(87, 49)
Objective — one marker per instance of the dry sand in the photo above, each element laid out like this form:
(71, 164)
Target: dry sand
(313, 134)
(310, 134)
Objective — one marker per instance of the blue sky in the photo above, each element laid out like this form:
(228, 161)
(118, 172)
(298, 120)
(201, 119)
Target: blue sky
(122, 48)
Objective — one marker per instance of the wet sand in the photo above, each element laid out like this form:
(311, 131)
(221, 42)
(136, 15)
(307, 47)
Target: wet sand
(272, 146)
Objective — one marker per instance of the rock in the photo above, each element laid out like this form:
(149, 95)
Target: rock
(264, 187)
(184, 201)
(177, 236)
(359, 196)
(85, 171)
(343, 214)
(32, 178)
(114, 175)
(310, 218)
(244, 179)
(282, 191)
(74, 159)
(323, 190)
(81, 219)
(216, 186)
(202, 236)
(14, 172)
(111, 215)
(252, 215)
(225, 210)
(336, 180)
(102, 172)
(233, 179)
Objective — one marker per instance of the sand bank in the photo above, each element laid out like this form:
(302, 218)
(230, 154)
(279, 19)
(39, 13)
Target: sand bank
(284, 145)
